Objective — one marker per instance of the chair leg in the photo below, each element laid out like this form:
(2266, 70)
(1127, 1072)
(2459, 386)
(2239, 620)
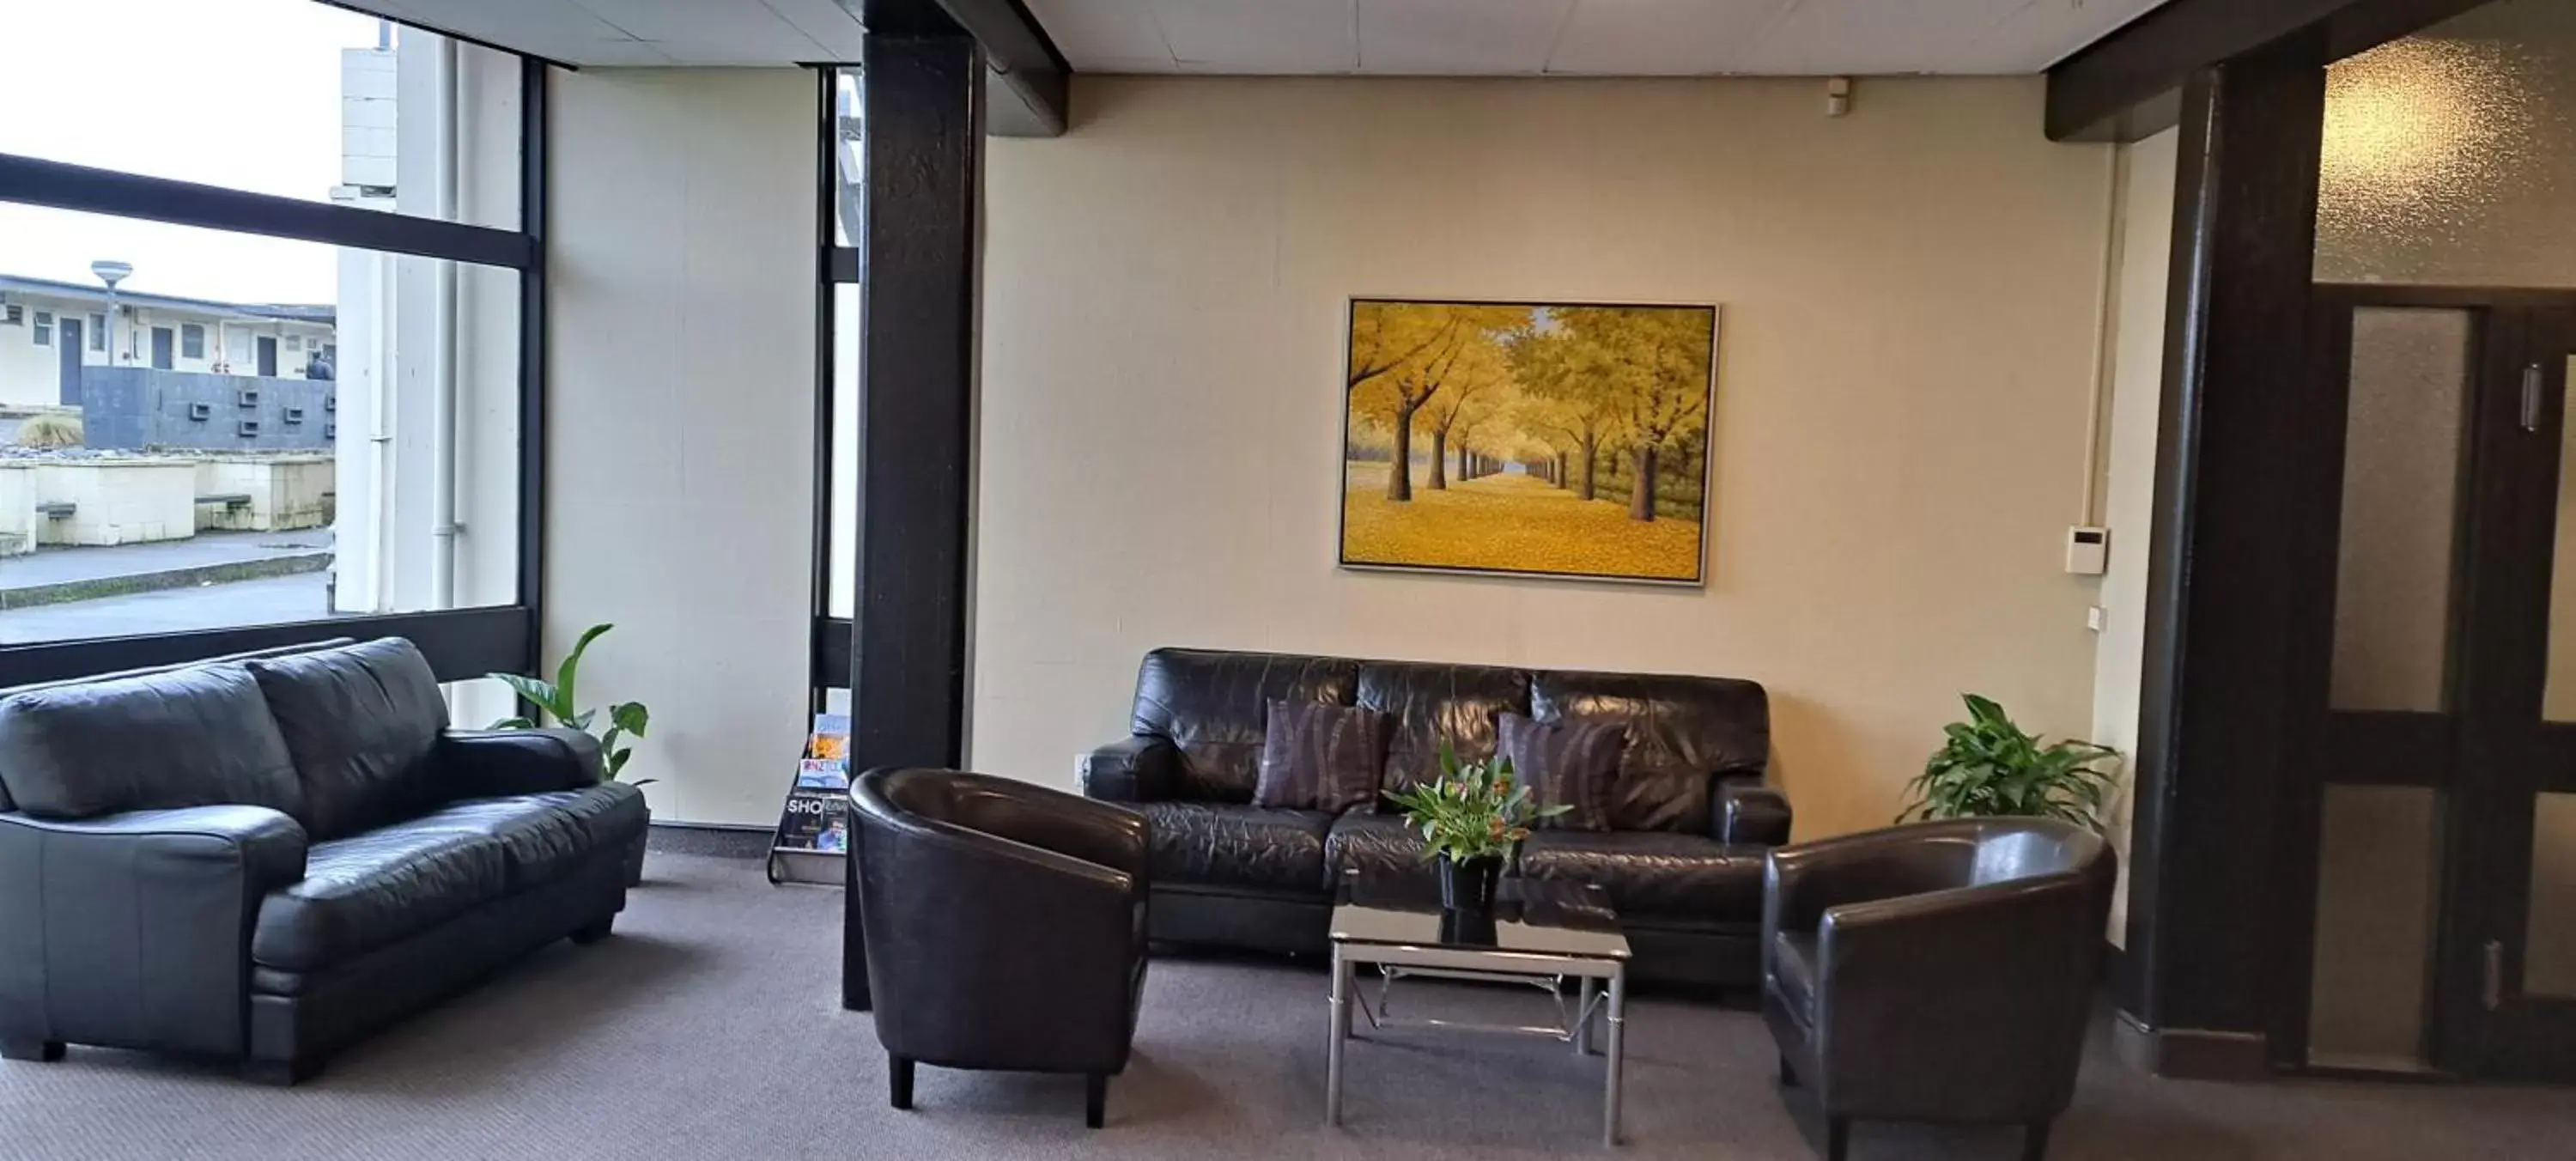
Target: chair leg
(899, 1080)
(47, 1051)
(593, 933)
(1095, 1099)
(1837, 1138)
(1788, 1075)
(2034, 1140)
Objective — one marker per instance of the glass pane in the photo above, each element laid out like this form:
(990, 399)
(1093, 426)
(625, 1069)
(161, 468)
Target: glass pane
(2449, 154)
(2378, 865)
(2558, 693)
(258, 441)
(2402, 433)
(847, 159)
(282, 97)
(841, 599)
(2549, 947)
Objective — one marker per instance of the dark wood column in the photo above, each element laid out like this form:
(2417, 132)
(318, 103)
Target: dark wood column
(921, 92)
(2237, 562)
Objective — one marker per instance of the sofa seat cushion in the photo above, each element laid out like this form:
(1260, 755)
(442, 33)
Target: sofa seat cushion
(1794, 973)
(1650, 874)
(363, 723)
(1380, 850)
(368, 890)
(1214, 844)
(542, 835)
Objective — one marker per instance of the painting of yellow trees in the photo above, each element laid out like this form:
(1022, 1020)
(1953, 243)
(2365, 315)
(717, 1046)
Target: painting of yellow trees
(1565, 440)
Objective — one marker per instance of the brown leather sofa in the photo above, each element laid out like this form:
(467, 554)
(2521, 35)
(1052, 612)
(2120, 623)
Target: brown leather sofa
(1937, 972)
(1683, 865)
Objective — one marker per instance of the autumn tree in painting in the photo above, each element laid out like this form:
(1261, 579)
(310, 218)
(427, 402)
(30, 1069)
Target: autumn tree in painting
(1560, 439)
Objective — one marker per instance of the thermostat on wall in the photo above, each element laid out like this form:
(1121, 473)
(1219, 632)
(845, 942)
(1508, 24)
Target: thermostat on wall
(2088, 550)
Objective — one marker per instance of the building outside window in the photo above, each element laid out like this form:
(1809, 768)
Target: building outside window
(155, 444)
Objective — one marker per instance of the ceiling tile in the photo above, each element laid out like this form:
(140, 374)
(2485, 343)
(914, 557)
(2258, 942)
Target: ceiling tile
(2048, 31)
(1475, 37)
(1104, 35)
(836, 34)
(699, 32)
(1261, 36)
(1871, 37)
(1661, 37)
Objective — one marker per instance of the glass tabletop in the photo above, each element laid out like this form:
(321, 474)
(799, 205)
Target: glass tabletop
(1530, 916)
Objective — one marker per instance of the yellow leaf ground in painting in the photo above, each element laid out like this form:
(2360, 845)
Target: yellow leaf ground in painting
(1511, 522)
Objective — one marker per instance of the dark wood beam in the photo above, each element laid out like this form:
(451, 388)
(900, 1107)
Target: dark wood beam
(922, 95)
(2126, 85)
(2234, 563)
(1035, 90)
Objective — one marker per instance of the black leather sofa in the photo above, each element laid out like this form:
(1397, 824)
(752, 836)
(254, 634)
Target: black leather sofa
(1683, 866)
(264, 859)
(1045, 972)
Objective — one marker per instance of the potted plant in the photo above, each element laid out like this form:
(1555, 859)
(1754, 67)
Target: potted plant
(1470, 817)
(1989, 767)
(554, 701)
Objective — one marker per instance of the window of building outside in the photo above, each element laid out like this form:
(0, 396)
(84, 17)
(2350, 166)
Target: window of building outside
(237, 429)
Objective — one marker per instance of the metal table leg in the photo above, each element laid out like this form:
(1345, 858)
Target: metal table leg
(1618, 1054)
(1341, 1017)
(1583, 1018)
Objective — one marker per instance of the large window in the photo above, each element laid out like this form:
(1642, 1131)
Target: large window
(289, 287)
(838, 390)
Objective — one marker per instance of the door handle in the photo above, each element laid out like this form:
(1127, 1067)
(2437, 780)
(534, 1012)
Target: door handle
(2531, 376)
(2491, 987)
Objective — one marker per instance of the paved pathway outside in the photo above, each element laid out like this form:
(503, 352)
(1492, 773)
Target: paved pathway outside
(273, 600)
(47, 566)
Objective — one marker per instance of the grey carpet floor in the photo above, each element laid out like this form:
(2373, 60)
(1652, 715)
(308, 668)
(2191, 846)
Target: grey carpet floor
(709, 1027)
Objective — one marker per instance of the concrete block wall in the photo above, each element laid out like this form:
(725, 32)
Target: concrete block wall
(17, 509)
(139, 407)
(285, 493)
(122, 501)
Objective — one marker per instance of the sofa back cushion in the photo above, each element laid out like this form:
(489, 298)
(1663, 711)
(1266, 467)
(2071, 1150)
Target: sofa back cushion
(1214, 706)
(6, 804)
(1682, 731)
(1426, 702)
(362, 722)
(199, 736)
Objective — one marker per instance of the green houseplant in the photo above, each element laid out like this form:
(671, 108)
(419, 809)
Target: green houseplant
(1470, 818)
(1989, 767)
(554, 701)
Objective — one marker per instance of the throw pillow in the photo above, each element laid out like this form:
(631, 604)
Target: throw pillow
(1320, 757)
(1570, 764)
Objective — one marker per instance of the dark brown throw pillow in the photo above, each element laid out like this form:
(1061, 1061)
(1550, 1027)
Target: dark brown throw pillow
(1568, 764)
(1320, 757)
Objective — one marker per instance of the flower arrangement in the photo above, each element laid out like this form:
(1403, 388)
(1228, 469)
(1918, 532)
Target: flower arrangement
(1470, 818)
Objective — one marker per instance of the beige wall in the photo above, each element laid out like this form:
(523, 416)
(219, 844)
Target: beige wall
(2137, 351)
(1911, 299)
(679, 435)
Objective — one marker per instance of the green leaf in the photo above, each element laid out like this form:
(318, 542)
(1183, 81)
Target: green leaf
(571, 667)
(581, 721)
(545, 696)
(630, 716)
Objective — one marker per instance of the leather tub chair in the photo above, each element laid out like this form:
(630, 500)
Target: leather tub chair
(1942, 971)
(1004, 926)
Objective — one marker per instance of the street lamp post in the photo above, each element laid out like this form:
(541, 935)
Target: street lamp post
(111, 273)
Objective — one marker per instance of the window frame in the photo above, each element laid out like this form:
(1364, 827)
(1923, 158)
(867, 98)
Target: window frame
(43, 330)
(835, 266)
(195, 349)
(461, 644)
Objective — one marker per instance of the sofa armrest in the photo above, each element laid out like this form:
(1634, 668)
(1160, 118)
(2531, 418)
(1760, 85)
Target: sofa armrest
(1748, 813)
(133, 929)
(1142, 768)
(489, 763)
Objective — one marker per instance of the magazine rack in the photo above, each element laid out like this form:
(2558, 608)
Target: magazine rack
(812, 842)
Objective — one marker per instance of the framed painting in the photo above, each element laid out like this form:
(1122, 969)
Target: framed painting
(1528, 438)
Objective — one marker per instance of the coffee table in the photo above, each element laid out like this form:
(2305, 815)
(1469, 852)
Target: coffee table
(1540, 932)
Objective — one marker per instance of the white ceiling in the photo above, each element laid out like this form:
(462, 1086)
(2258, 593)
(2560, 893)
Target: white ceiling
(646, 32)
(1578, 37)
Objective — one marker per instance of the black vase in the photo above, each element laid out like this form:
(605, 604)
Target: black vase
(1468, 886)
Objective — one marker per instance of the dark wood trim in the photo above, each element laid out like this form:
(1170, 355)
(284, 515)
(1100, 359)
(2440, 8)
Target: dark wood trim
(845, 264)
(2122, 87)
(2189, 1053)
(827, 145)
(1014, 46)
(534, 207)
(35, 181)
(461, 644)
(2457, 297)
(2235, 554)
(832, 652)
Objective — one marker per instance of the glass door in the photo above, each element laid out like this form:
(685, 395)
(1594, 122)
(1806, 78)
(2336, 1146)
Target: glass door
(2508, 990)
